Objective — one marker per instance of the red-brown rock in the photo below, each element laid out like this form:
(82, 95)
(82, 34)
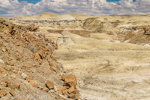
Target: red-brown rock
(70, 90)
(70, 80)
(1, 70)
(49, 85)
(32, 82)
(12, 93)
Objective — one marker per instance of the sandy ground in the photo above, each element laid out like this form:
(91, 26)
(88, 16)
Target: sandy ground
(107, 70)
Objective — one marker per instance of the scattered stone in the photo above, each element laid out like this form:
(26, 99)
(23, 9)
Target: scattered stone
(49, 85)
(4, 84)
(13, 76)
(63, 77)
(12, 93)
(32, 82)
(27, 78)
(1, 70)
(72, 96)
(61, 88)
(52, 68)
(36, 85)
(55, 88)
(70, 80)
(46, 89)
(17, 85)
(23, 75)
(8, 68)
(70, 90)
(1, 61)
(2, 93)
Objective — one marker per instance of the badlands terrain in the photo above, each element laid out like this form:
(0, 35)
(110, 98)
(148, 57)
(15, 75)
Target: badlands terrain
(103, 57)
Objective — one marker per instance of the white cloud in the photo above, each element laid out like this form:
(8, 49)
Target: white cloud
(92, 7)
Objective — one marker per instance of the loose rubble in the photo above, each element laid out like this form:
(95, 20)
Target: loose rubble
(27, 66)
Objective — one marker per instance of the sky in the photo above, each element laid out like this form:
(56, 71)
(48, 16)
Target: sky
(89, 7)
(36, 1)
(30, 1)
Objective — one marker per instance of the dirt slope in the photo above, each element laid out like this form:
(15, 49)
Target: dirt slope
(27, 67)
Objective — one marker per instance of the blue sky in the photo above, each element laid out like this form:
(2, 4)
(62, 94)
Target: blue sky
(89, 7)
(36, 1)
(30, 1)
(116, 0)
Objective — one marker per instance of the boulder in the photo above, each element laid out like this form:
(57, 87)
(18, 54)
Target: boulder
(70, 80)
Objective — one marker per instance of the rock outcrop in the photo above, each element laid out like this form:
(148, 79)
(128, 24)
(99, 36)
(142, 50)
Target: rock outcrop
(69, 87)
(27, 66)
(136, 34)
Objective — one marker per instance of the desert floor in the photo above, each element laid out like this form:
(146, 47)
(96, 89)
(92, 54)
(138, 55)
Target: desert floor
(106, 70)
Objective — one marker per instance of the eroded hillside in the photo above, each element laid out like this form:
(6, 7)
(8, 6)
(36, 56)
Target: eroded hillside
(27, 67)
(109, 55)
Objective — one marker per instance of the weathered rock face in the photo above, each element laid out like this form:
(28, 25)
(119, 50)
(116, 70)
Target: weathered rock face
(92, 24)
(144, 29)
(136, 34)
(13, 28)
(32, 27)
(95, 25)
(26, 63)
(59, 24)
